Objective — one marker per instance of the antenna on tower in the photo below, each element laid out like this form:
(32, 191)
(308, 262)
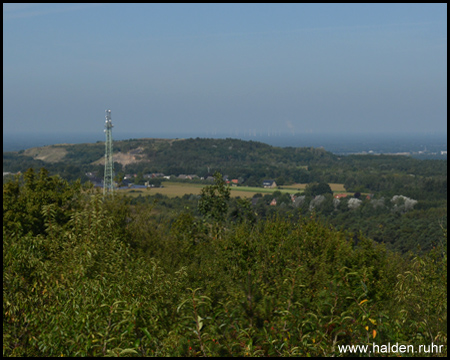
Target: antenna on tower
(108, 185)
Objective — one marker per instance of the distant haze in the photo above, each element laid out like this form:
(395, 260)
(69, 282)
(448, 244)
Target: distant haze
(234, 69)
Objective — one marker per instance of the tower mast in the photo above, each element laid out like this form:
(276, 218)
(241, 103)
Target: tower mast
(108, 186)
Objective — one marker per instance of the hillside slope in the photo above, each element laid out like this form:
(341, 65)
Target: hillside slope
(249, 161)
(193, 156)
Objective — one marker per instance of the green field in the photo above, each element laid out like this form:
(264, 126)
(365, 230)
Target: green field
(174, 189)
(301, 187)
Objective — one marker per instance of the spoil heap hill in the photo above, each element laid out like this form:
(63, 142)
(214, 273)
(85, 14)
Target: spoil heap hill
(185, 155)
(249, 161)
(159, 150)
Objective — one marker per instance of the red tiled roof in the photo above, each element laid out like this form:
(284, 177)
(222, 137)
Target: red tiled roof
(338, 196)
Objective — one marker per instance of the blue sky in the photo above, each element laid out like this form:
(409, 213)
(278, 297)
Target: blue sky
(197, 68)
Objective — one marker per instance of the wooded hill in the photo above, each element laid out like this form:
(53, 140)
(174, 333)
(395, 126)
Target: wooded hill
(248, 160)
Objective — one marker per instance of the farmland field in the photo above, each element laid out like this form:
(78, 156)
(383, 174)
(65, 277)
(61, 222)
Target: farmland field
(174, 189)
(170, 189)
(334, 187)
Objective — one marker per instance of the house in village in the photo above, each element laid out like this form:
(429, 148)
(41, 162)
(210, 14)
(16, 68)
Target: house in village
(339, 196)
(153, 175)
(269, 184)
(233, 182)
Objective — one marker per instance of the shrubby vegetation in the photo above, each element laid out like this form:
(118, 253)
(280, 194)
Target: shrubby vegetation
(85, 275)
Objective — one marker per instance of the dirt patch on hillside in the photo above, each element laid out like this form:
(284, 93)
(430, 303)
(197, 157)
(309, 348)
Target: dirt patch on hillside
(131, 157)
(50, 154)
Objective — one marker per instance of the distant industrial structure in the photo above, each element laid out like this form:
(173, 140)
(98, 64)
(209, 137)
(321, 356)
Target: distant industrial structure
(108, 182)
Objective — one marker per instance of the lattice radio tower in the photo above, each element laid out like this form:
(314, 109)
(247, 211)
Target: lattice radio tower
(108, 185)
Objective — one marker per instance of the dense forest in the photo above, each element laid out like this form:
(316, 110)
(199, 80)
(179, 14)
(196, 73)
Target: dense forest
(87, 275)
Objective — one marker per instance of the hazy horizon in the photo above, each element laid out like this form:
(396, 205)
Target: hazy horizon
(333, 142)
(225, 68)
